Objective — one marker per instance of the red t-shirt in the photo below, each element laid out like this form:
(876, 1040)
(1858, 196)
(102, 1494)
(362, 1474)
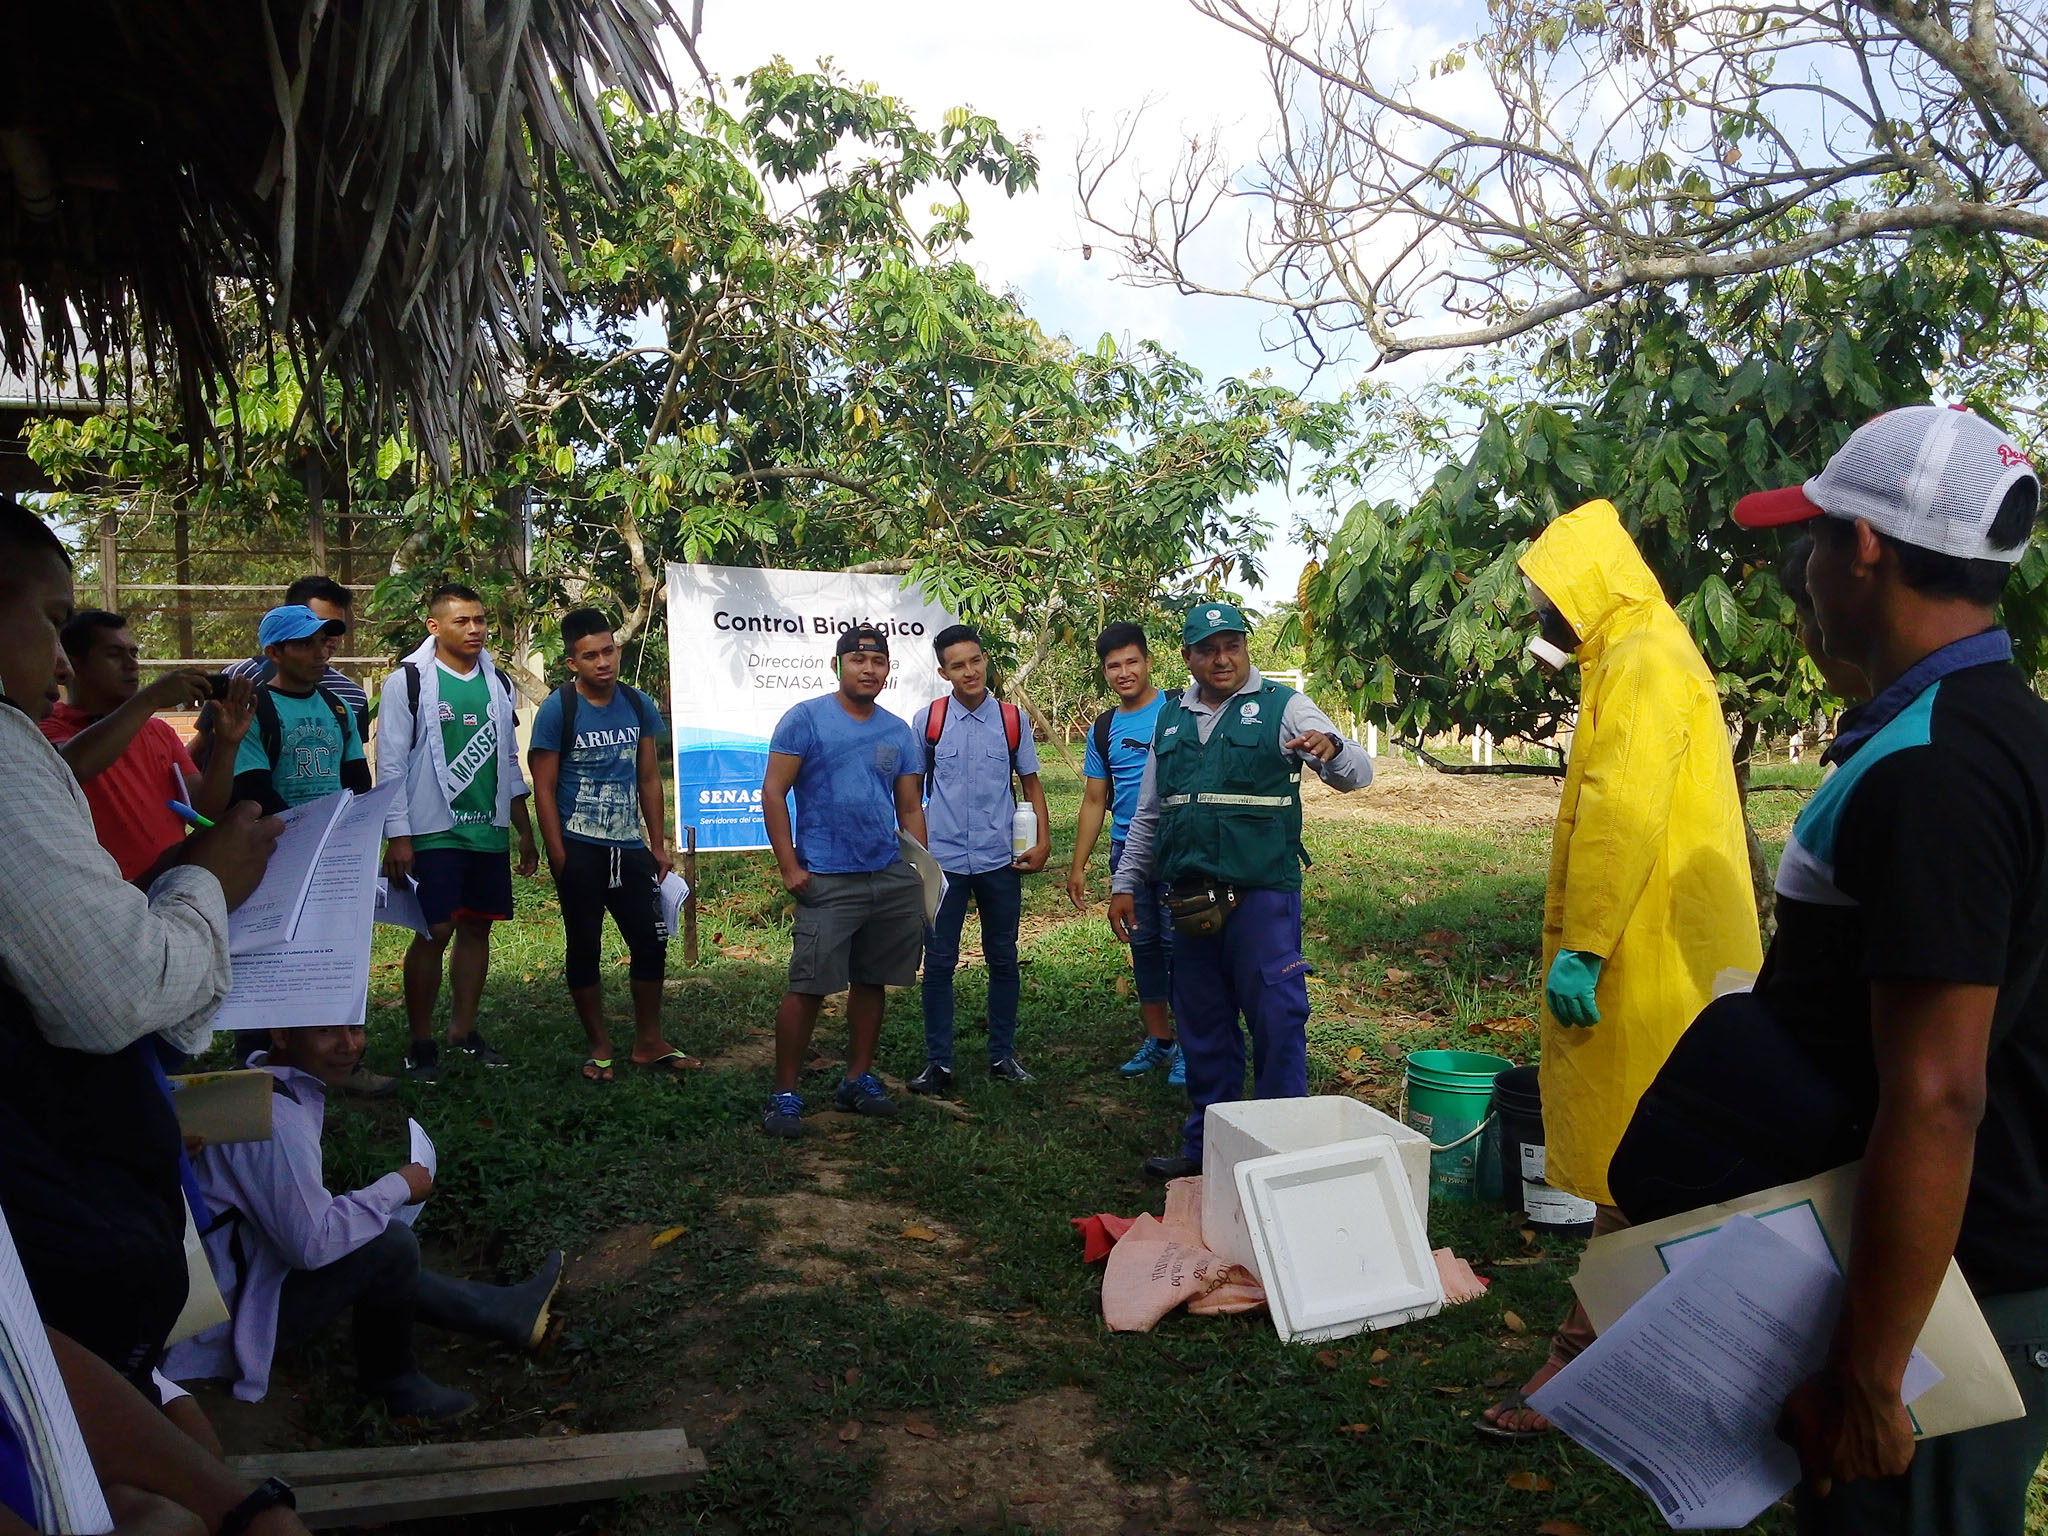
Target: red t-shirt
(130, 800)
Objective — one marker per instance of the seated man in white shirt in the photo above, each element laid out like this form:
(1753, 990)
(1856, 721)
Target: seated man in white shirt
(291, 1257)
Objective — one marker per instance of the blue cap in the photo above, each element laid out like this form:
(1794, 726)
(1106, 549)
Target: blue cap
(294, 621)
(1206, 619)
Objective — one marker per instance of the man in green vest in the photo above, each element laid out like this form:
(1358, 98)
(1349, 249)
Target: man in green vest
(1219, 820)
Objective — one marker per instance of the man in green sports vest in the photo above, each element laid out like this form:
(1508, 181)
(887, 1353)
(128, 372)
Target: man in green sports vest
(1219, 812)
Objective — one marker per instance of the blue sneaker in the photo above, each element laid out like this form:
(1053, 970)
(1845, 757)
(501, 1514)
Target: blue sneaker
(1149, 1054)
(785, 1115)
(863, 1095)
(1177, 1074)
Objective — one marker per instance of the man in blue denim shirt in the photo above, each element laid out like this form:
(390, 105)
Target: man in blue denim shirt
(968, 809)
(1119, 746)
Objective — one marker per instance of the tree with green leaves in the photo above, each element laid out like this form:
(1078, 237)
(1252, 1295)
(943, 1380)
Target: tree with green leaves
(761, 357)
(1672, 407)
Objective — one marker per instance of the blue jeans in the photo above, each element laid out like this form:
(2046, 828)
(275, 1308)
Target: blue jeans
(1253, 968)
(1151, 936)
(999, 898)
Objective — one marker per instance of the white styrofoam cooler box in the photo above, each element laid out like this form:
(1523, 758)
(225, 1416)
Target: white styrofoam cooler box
(1339, 1241)
(1250, 1128)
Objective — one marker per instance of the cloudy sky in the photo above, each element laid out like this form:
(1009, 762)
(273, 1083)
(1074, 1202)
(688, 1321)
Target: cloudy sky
(1059, 70)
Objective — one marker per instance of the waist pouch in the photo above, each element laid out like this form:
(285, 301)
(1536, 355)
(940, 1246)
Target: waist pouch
(1199, 906)
(1741, 1104)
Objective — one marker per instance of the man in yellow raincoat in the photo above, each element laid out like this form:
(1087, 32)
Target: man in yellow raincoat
(1649, 895)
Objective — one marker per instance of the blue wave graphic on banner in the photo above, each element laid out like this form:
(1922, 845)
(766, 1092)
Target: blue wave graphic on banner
(718, 789)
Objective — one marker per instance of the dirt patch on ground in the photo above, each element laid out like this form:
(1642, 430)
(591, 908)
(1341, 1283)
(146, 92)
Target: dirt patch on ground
(1403, 795)
(614, 1257)
(828, 1240)
(1027, 1461)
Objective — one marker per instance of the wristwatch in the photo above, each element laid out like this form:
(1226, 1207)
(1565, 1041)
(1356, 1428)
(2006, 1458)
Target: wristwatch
(272, 1493)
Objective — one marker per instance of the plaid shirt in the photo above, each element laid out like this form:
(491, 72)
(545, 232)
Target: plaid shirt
(101, 964)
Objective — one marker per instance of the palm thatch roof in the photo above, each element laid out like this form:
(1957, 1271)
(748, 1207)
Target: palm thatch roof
(377, 171)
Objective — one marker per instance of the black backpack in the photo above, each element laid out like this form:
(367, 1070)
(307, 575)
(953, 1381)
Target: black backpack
(643, 707)
(1104, 724)
(412, 693)
(270, 729)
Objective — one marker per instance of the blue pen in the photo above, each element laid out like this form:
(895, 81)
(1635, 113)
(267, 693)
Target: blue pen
(187, 814)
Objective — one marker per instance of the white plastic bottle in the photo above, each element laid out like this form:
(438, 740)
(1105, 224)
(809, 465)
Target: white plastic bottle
(1023, 829)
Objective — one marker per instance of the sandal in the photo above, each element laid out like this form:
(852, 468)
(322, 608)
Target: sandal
(1512, 1402)
(670, 1062)
(597, 1069)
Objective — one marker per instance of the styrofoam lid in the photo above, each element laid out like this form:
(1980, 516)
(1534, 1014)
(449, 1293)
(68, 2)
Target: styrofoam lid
(1337, 1236)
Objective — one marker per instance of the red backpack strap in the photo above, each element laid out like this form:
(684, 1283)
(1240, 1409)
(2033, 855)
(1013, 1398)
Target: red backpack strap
(935, 721)
(1013, 727)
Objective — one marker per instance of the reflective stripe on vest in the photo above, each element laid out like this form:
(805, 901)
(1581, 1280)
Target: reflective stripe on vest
(1228, 800)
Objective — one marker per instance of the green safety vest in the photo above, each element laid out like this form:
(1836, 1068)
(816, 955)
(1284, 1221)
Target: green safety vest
(1230, 807)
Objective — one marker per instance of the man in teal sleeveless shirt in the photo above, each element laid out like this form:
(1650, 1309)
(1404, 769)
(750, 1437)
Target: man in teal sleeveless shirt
(1220, 808)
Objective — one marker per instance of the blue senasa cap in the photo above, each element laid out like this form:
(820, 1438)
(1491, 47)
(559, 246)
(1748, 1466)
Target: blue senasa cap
(294, 621)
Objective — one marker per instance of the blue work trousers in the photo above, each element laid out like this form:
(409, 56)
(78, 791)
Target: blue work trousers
(1151, 936)
(1254, 969)
(999, 898)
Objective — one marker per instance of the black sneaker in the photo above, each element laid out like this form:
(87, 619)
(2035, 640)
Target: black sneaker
(423, 1061)
(1163, 1170)
(1009, 1070)
(481, 1051)
(863, 1095)
(934, 1079)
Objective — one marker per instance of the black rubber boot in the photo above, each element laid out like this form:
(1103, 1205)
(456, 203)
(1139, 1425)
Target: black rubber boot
(512, 1314)
(416, 1395)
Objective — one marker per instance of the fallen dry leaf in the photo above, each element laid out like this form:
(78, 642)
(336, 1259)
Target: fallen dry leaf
(1530, 1482)
(1449, 1391)
(919, 1428)
(994, 1369)
(1375, 1381)
(1377, 1356)
(1514, 1322)
(1355, 1429)
(663, 1239)
(561, 1408)
(919, 1234)
(1560, 1528)
(1327, 1359)
(1355, 1053)
(1123, 986)
(849, 1432)
(852, 1377)
(1395, 973)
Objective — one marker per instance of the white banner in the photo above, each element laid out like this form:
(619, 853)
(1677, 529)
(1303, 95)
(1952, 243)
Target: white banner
(743, 647)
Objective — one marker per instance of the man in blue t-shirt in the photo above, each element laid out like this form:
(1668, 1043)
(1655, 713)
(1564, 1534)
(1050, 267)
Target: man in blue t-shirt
(304, 743)
(596, 785)
(859, 925)
(1119, 745)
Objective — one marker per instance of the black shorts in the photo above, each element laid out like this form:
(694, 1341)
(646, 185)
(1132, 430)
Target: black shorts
(461, 882)
(596, 878)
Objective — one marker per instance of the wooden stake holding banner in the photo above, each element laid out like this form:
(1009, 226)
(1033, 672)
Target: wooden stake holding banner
(690, 901)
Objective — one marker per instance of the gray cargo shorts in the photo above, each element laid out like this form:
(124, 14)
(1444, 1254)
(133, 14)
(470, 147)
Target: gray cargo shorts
(865, 930)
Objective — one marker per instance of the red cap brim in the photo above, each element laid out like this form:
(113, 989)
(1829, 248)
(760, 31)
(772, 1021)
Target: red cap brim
(1774, 509)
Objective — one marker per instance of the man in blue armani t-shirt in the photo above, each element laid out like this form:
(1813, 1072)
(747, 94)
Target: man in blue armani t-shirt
(1119, 746)
(859, 904)
(595, 766)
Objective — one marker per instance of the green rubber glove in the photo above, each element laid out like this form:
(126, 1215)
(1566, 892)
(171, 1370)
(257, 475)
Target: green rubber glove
(1569, 989)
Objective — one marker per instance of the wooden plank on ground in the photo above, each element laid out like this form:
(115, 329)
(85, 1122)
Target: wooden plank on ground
(304, 1468)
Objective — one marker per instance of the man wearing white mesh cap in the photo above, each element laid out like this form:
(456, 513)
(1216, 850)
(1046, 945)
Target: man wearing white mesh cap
(1909, 961)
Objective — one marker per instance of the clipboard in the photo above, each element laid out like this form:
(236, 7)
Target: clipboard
(220, 1107)
(1976, 1388)
(920, 859)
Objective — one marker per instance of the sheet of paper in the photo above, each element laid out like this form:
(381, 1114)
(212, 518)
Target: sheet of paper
(400, 908)
(423, 1154)
(1682, 1395)
(271, 913)
(675, 890)
(32, 1395)
(320, 973)
(928, 871)
(1975, 1386)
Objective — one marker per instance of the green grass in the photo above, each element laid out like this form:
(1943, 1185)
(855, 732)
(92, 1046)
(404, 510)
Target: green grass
(1420, 938)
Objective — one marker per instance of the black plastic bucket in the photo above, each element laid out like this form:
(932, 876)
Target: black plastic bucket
(1518, 1101)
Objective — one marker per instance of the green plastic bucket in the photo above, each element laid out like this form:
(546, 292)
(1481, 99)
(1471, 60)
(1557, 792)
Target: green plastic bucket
(1449, 1098)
